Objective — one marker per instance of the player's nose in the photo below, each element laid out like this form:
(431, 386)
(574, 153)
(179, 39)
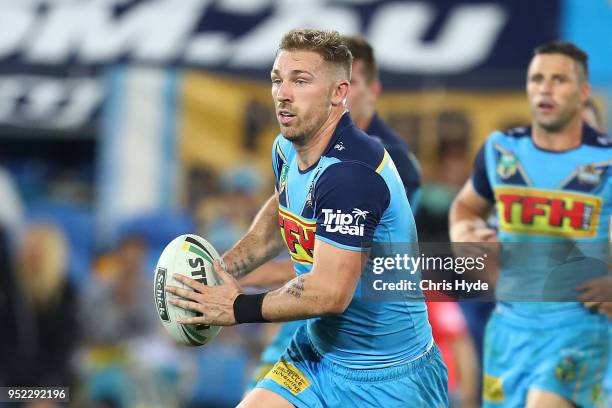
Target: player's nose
(546, 87)
(283, 93)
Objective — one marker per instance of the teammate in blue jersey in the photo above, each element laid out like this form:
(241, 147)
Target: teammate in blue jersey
(597, 293)
(337, 193)
(363, 93)
(551, 184)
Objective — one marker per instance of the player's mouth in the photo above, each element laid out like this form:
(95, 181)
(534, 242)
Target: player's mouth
(546, 107)
(285, 117)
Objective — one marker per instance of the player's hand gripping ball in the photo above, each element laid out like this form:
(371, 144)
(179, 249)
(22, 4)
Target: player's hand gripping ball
(191, 256)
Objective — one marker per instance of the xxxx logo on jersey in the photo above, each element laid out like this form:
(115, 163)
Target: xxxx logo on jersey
(546, 212)
(299, 235)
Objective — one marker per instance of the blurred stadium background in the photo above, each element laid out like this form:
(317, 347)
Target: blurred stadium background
(124, 123)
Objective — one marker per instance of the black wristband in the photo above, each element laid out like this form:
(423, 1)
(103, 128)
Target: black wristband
(247, 308)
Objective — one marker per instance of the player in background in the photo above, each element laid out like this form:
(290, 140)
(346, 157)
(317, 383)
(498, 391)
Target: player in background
(597, 293)
(364, 91)
(363, 94)
(337, 194)
(541, 180)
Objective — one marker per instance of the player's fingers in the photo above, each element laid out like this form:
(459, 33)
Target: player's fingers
(464, 248)
(591, 305)
(184, 293)
(484, 234)
(479, 249)
(222, 273)
(606, 308)
(602, 281)
(193, 320)
(588, 295)
(186, 304)
(193, 284)
(585, 286)
(494, 236)
(592, 291)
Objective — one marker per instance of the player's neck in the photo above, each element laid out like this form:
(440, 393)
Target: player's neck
(568, 138)
(363, 122)
(310, 152)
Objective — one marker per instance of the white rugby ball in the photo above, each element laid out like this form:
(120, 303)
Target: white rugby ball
(192, 256)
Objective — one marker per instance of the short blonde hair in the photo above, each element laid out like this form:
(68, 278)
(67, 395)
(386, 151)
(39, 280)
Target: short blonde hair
(328, 44)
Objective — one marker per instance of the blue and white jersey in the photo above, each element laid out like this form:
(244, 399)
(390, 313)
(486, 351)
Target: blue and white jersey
(557, 201)
(352, 197)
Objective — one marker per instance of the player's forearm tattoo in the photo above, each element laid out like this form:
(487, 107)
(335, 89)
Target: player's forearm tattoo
(242, 266)
(295, 287)
(260, 244)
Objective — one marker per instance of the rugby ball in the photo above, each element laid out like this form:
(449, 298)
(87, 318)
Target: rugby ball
(192, 256)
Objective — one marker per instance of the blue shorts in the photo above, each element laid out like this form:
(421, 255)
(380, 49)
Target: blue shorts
(567, 358)
(273, 352)
(307, 379)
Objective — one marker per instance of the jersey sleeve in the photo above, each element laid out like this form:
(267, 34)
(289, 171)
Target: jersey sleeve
(480, 179)
(350, 200)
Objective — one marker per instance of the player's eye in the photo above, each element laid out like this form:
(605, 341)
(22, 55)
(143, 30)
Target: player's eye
(300, 81)
(276, 81)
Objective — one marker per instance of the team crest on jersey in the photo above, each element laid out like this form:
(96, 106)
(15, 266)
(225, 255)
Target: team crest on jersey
(507, 165)
(589, 174)
(298, 234)
(282, 180)
(346, 224)
(547, 212)
(308, 202)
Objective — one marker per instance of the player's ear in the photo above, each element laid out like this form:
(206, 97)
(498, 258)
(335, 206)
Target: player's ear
(376, 88)
(585, 92)
(340, 92)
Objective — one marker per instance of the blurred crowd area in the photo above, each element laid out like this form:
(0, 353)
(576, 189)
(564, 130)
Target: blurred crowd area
(81, 315)
(103, 163)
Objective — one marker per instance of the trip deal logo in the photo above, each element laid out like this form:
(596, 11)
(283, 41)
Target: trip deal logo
(347, 224)
(546, 212)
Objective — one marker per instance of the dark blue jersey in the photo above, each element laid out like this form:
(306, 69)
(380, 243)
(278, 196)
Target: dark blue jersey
(406, 163)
